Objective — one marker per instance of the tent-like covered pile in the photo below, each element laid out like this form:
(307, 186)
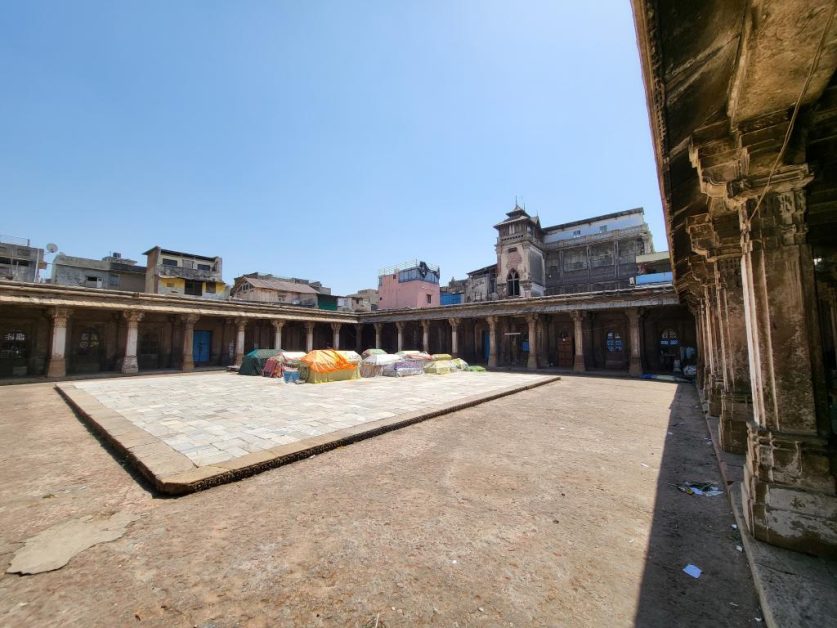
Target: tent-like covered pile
(327, 365)
(369, 352)
(254, 362)
(284, 361)
(375, 363)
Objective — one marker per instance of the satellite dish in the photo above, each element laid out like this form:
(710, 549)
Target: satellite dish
(51, 247)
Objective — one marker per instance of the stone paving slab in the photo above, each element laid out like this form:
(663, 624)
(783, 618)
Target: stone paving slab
(192, 431)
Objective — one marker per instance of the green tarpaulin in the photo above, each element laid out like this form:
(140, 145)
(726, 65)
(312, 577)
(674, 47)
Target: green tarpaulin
(254, 362)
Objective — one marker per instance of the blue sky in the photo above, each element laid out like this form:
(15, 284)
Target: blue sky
(317, 139)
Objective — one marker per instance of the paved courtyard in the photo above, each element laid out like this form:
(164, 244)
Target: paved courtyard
(198, 421)
(552, 507)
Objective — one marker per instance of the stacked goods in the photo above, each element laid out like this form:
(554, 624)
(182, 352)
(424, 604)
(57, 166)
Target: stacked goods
(369, 352)
(351, 357)
(404, 367)
(326, 365)
(439, 367)
(459, 364)
(254, 362)
(441, 356)
(415, 354)
(283, 362)
(373, 365)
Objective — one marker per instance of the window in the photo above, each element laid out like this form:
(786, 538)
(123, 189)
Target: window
(14, 345)
(194, 288)
(429, 299)
(577, 233)
(613, 342)
(169, 262)
(513, 284)
(88, 343)
(512, 249)
(210, 287)
(206, 267)
(603, 229)
(669, 338)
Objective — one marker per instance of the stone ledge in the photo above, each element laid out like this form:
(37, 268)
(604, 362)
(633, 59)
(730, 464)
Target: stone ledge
(172, 473)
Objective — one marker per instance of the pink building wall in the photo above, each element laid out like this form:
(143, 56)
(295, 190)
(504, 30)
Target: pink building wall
(412, 294)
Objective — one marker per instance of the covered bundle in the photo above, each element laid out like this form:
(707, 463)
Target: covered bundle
(281, 362)
(415, 354)
(441, 356)
(476, 369)
(404, 367)
(352, 357)
(326, 365)
(439, 367)
(253, 362)
(459, 364)
(373, 365)
(369, 352)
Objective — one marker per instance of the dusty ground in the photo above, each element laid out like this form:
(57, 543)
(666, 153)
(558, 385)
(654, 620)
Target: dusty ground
(549, 507)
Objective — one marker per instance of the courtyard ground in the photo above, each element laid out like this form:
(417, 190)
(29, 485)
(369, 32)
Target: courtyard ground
(553, 506)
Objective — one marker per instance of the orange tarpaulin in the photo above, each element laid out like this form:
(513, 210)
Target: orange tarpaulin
(326, 361)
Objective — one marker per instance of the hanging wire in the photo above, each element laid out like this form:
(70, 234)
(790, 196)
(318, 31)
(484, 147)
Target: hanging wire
(796, 108)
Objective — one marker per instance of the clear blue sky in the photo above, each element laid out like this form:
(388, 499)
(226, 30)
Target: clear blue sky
(317, 139)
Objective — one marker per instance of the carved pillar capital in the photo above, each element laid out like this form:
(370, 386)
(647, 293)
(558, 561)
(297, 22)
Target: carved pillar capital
(454, 322)
(578, 315)
(309, 325)
(190, 319)
(335, 327)
(133, 316)
(278, 323)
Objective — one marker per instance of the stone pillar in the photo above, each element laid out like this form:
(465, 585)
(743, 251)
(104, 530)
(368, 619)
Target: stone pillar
(578, 329)
(399, 325)
(335, 335)
(378, 327)
(492, 341)
(736, 401)
(634, 315)
(241, 325)
(789, 490)
(532, 358)
(454, 340)
(188, 363)
(277, 333)
(359, 337)
(425, 336)
(309, 336)
(129, 362)
(57, 363)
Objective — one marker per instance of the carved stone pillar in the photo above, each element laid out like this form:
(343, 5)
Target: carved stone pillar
(454, 339)
(425, 336)
(335, 335)
(492, 341)
(378, 328)
(532, 358)
(129, 362)
(634, 315)
(277, 333)
(309, 336)
(241, 326)
(399, 326)
(790, 495)
(57, 362)
(188, 362)
(578, 333)
(736, 401)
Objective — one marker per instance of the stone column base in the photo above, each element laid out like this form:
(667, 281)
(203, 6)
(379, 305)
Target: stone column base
(532, 362)
(129, 364)
(635, 367)
(788, 494)
(735, 413)
(578, 364)
(188, 365)
(57, 367)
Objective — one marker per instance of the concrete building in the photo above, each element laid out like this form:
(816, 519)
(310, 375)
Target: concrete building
(481, 284)
(185, 274)
(113, 272)
(588, 255)
(742, 101)
(454, 292)
(18, 260)
(262, 288)
(365, 300)
(413, 284)
(653, 268)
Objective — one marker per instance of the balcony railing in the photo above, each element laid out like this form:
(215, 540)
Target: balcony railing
(188, 273)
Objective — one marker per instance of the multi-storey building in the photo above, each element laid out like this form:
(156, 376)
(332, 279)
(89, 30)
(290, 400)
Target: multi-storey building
(588, 255)
(413, 284)
(187, 274)
(113, 272)
(18, 260)
(365, 300)
(265, 288)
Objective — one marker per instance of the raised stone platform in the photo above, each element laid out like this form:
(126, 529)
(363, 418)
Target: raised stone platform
(192, 431)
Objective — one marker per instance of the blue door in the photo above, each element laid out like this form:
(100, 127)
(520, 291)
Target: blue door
(201, 343)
